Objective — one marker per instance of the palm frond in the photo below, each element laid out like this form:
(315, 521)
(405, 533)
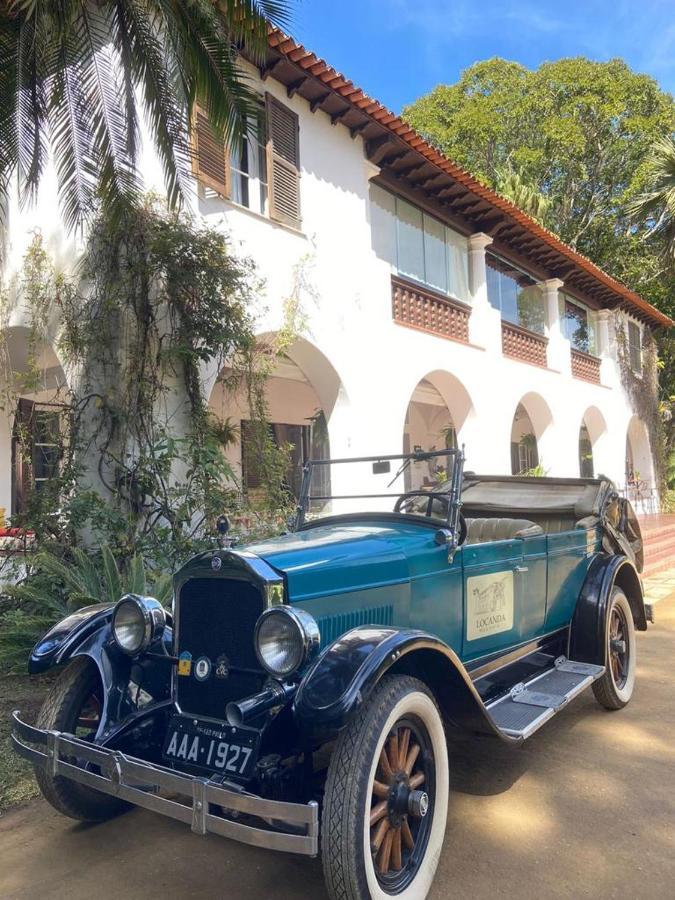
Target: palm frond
(112, 583)
(136, 578)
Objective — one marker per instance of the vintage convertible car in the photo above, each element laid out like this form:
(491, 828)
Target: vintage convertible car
(303, 687)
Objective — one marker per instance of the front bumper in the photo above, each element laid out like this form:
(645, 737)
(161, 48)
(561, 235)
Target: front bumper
(139, 782)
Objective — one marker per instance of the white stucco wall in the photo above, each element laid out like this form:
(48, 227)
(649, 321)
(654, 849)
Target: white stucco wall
(362, 368)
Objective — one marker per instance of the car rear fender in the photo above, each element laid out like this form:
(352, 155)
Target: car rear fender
(342, 678)
(587, 637)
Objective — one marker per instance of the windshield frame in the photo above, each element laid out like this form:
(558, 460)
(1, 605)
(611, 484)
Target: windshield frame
(453, 492)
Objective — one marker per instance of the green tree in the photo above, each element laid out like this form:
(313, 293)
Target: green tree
(655, 207)
(76, 75)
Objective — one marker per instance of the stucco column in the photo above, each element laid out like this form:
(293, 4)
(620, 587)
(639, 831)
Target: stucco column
(606, 338)
(558, 351)
(485, 321)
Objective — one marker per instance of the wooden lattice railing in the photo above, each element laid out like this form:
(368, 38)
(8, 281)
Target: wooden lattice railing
(417, 307)
(527, 346)
(585, 366)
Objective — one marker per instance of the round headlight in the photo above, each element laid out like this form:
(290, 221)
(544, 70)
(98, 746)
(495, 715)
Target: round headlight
(137, 622)
(285, 638)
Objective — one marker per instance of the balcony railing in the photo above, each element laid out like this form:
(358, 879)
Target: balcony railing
(417, 307)
(585, 366)
(520, 343)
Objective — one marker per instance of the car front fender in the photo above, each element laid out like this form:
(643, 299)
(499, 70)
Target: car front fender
(342, 678)
(587, 637)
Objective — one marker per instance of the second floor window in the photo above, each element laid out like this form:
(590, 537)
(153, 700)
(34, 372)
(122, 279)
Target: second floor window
(262, 170)
(515, 294)
(417, 245)
(635, 347)
(578, 325)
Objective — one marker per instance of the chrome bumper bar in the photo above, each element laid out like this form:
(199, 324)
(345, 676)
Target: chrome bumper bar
(139, 782)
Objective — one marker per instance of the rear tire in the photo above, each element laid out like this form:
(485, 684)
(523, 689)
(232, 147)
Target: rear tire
(615, 688)
(74, 695)
(386, 798)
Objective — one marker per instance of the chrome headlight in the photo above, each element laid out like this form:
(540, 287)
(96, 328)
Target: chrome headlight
(137, 622)
(285, 638)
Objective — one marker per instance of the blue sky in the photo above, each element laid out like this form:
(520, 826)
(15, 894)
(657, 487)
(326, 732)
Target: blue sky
(397, 50)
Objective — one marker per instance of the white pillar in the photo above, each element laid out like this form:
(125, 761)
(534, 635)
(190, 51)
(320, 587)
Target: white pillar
(609, 370)
(485, 321)
(558, 351)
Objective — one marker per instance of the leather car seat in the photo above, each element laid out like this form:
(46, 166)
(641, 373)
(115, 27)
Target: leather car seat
(481, 531)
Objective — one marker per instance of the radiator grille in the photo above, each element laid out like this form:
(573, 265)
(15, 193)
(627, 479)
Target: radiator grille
(216, 618)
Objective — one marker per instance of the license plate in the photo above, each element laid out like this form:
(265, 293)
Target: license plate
(219, 748)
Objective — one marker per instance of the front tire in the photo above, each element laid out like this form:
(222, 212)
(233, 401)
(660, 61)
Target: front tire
(73, 705)
(615, 688)
(386, 798)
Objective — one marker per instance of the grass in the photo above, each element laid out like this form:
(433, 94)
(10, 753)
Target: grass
(17, 784)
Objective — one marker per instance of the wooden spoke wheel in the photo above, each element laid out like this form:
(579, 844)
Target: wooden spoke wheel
(386, 797)
(401, 802)
(615, 688)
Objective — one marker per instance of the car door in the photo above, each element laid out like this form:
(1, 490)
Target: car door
(494, 599)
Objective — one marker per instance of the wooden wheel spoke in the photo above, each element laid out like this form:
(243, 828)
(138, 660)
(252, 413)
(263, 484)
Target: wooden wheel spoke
(393, 752)
(412, 758)
(380, 790)
(403, 748)
(378, 811)
(416, 781)
(384, 766)
(385, 852)
(406, 834)
(396, 861)
(378, 837)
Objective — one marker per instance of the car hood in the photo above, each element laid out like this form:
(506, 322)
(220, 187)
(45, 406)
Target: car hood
(335, 558)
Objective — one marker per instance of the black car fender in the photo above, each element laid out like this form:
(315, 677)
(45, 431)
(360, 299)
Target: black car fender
(344, 675)
(588, 631)
(87, 633)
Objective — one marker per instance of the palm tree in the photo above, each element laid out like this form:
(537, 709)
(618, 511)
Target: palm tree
(656, 205)
(512, 185)
(75, 76)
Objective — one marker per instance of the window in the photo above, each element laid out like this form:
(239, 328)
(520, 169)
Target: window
(297, 437)
(36, 450)
(262, 171)
(635, 347)
(578, 325)
(417, 245)
(515, 294)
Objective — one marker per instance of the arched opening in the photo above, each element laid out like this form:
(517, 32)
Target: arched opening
(531, 421)
(437, 413)
(592, 443)
(302, 395)
(640, 483)
(35, 424)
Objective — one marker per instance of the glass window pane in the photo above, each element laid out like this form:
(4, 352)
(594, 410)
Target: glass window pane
(531, 309)
(458, 264)
(435, 266)
(493, 287)
(509, 297)
(410, 240)
(383, 224)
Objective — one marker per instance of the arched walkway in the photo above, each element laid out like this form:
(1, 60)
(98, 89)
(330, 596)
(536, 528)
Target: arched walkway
(33, 402)
(438, 416)
(593, 441)
(305, 401)
(640, 480)
(531, 435)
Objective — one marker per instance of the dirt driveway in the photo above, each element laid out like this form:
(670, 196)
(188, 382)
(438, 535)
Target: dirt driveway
(585, 809)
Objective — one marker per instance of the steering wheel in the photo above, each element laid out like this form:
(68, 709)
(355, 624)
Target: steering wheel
(408, 499)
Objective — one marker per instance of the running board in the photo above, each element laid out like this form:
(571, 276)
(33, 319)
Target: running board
(532, 703)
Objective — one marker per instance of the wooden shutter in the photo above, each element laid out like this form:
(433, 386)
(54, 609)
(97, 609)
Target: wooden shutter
(211, 160)
(283, 162)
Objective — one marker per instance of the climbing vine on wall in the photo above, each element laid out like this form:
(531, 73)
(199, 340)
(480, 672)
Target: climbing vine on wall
(643, 391)
(157, 299)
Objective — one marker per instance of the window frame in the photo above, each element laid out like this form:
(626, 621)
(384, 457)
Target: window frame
(520, 289)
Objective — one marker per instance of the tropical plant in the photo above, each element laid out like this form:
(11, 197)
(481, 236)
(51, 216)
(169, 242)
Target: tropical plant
(59, 584)
(77, 78)
(511, 184)
(656, 205)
